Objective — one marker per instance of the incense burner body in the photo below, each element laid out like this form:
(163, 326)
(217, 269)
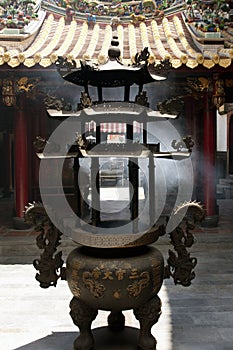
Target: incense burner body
(115, 279)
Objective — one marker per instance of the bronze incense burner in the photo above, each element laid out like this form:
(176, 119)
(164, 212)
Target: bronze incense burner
(115, 267)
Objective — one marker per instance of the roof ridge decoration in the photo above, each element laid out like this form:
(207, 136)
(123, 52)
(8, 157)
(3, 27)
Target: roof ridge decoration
(168, 38)
(114, 12)
(207, 18)
(17, 17)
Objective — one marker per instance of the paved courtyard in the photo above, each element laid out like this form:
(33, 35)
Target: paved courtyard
(199, 317)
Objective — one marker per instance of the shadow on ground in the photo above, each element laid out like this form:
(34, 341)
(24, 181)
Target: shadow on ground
(104, 340)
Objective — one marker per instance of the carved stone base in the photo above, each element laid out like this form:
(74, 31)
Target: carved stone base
(20, 224)
(210, 221)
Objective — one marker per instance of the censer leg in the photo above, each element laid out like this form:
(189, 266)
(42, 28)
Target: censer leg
(116, 321)
(82, 316)
(147, 315)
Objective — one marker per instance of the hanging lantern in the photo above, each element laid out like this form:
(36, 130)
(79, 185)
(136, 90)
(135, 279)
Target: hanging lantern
(8, 92)
(218, 97)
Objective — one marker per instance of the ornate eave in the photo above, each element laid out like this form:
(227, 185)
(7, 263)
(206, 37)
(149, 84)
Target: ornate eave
(110, 110)
(119, 112)
(166, 38)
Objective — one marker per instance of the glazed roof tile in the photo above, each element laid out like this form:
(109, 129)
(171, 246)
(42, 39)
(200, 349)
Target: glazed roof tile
(165, 38)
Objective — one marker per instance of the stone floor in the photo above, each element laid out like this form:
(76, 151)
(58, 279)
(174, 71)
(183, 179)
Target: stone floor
(199, 317)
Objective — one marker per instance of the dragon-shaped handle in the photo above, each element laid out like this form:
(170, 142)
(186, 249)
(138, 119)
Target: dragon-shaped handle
(49, 265)
(181, 266)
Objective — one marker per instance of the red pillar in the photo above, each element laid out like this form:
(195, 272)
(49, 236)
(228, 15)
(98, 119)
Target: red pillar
(209, 153)
(38, 115)
(191, 124)
(7, 164)
(21, 160)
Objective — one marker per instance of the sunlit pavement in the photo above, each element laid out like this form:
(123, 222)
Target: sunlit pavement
(199, 317)
(35, 318)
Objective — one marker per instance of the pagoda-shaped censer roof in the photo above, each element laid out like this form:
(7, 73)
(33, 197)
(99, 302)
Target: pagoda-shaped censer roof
(112, 73)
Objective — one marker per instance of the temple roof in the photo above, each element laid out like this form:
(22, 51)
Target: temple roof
(168, 37)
